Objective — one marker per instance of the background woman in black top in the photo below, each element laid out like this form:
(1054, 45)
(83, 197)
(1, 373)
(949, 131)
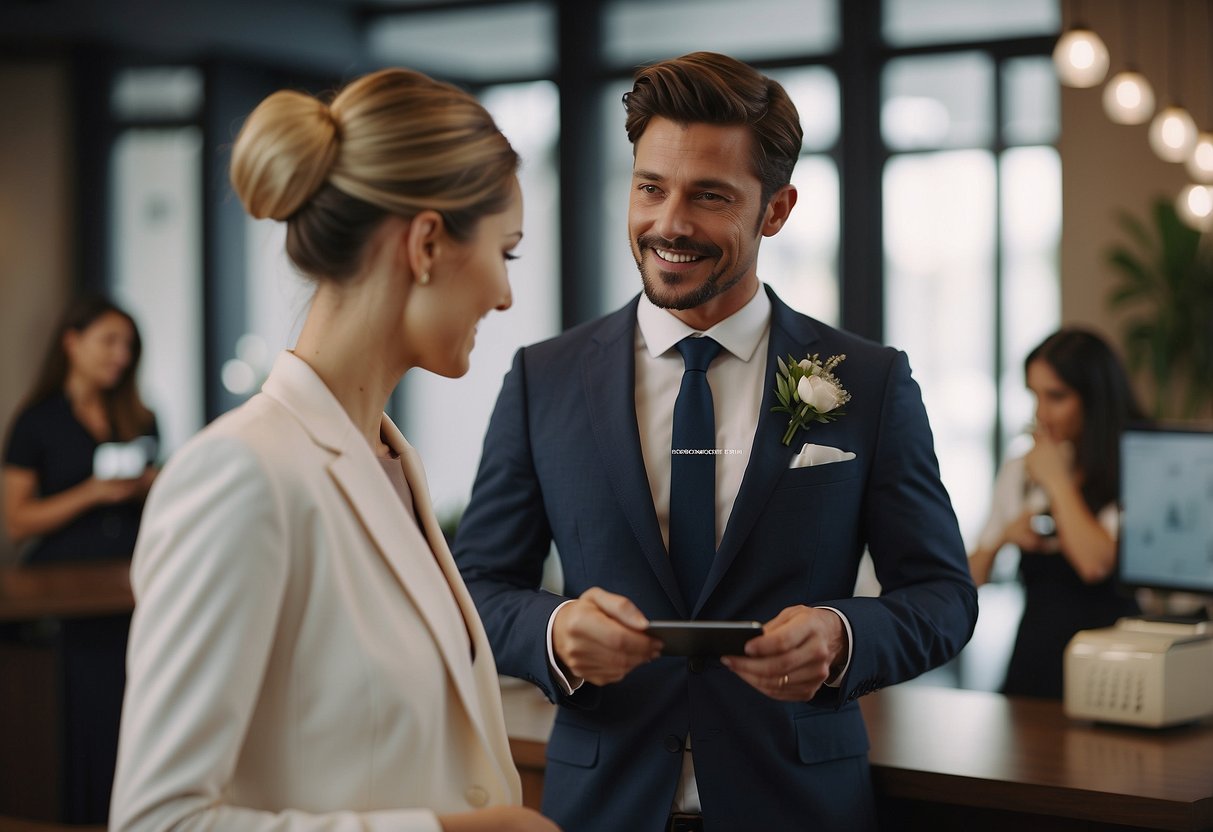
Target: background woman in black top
(1059, 505)
(85, 396)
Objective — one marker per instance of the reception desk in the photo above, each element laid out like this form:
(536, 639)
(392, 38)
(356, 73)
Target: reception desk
(952, 759)
(70, 590)
(941, 758)
(34, 603)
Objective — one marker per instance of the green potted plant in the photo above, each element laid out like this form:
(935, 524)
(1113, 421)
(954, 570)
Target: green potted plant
(1166, 284)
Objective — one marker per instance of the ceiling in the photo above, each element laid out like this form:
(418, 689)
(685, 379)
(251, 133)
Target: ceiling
(326, 35)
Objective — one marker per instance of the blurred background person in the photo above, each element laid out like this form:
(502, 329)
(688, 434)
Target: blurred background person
(304, 654)
(85, 398)
(1059, 505)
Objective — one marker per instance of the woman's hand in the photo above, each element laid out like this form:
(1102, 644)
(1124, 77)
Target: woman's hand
(1048, 463)
(108, 492)
(498, 819)
(1020, 533)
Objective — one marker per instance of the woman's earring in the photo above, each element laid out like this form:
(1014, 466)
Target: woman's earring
(424, 279)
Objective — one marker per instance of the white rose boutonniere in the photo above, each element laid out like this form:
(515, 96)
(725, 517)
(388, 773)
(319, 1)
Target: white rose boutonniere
(809, 392)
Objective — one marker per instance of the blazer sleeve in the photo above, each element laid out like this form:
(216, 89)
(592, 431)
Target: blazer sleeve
(928, 605)
(504, 538)
(209, 572)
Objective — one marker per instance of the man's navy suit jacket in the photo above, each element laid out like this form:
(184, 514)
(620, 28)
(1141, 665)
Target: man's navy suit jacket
(562, 462)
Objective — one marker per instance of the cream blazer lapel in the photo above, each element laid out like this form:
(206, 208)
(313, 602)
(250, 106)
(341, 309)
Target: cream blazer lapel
(483, 676)
(409, 554)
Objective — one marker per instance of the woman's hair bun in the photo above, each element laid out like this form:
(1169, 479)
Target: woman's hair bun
(284, 154)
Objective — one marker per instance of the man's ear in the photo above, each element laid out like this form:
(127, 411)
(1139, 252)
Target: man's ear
(778, 209)
(423, 240)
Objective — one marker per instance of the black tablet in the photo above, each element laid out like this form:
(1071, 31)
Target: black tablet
(704, 638)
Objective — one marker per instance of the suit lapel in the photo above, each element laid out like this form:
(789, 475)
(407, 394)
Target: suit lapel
(791, 334)
(481, 675)
(611, 399)
(410, 553)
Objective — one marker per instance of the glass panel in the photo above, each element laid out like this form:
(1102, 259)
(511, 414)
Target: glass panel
(156, 206)
(446, 419)
(1030, 94)
(915, 22)
(814, 91)
(621, 278)
(938, 101)
(276, 297)
(173, 92)
(801, 261)
(475, 44)
(642, 31)
(1030, 179)
(939, 226)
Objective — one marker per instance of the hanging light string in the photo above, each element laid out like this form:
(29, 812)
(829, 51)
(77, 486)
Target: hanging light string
(1209, 52)
(1164, 66)
(1129, 36)
(1174, 81)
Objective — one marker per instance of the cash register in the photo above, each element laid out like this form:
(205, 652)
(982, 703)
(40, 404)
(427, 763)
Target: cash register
(1155, 671)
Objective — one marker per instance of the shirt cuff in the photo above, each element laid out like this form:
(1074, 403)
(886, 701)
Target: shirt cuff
(836, 680)
(568, 687)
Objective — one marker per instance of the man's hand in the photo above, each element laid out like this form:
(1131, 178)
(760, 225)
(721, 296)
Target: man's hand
(795, 655)
(600, 637)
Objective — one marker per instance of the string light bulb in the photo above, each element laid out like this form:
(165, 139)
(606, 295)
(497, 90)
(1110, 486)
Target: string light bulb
(1173, 131)
(1081, 58)
(1195, 206)
(1173, 134)
(1128, 98)
(1200, 160)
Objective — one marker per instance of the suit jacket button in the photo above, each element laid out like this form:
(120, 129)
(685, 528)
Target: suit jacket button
(477, 797)
(672, 744)
(696, 664)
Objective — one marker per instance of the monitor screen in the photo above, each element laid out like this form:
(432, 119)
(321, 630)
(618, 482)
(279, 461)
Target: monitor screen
(1166, 530)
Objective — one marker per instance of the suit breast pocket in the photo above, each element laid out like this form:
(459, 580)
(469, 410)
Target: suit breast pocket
(812, 475)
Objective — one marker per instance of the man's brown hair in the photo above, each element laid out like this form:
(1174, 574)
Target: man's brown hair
(709, 88)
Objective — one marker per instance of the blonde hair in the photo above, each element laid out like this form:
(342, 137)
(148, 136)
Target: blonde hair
(392, 142)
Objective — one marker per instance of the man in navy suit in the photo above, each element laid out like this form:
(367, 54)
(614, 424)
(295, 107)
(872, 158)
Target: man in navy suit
(587, 448)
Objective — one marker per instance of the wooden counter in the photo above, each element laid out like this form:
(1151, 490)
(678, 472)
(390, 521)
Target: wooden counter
(34, 601)
(72, 590)
(952, 759)
(1011, 759)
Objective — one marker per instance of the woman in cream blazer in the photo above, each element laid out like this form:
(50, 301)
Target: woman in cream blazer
(304, 655)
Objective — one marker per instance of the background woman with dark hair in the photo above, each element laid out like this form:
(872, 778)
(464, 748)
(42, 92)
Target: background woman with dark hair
(1058, 504)
(85, 395)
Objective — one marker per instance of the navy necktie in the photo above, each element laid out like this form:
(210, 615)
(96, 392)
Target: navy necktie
(693, 475)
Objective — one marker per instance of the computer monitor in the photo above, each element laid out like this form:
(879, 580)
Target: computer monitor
(1166, 531)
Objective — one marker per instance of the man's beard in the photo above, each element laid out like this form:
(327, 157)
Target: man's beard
(701, 294)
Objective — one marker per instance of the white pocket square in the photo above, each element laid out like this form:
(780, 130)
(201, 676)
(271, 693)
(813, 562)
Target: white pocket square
(812, 454)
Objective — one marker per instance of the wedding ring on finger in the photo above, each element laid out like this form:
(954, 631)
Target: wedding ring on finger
(783, 683)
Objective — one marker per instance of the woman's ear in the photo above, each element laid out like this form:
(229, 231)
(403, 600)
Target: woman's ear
(422, 244)
(71, 338)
